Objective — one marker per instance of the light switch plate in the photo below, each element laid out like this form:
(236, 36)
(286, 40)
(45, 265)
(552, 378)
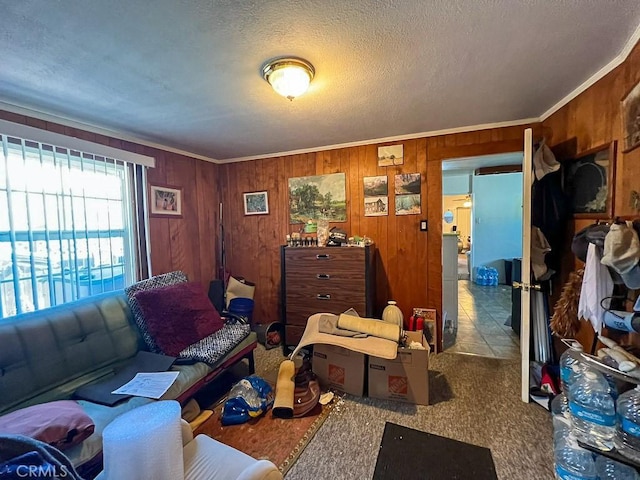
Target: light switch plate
(423, 225)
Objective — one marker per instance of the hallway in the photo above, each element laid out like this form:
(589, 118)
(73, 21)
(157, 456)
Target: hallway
(481, 330)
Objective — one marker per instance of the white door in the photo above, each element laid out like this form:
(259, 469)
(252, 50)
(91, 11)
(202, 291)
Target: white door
(463, 216)
(525, 329)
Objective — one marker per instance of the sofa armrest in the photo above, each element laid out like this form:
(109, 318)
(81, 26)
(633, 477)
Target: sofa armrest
(187, 433)
(261, 470)
(205, 457)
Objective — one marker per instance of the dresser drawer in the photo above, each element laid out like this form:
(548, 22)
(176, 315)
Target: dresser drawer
(299, 310)
(325, 277)
(325, 290)
(325, 260)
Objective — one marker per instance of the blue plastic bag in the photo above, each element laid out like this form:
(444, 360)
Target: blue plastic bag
(249, 398)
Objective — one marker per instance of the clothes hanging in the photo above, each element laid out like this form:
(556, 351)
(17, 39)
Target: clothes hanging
(550, 213)
(596, 286)
(539, 248)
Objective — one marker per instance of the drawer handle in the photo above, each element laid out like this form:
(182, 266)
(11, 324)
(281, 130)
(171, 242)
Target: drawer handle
(323, 276)
(323, 296)
(322, 256)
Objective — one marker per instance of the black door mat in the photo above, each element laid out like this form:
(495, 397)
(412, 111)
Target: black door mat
(407, 453)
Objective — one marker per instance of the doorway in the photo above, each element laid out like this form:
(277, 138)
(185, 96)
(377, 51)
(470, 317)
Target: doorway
(482, 233)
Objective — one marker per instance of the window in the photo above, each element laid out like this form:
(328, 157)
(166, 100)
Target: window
(68, 225)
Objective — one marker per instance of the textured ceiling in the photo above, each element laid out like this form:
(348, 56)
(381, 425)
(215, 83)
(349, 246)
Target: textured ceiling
(186, 73)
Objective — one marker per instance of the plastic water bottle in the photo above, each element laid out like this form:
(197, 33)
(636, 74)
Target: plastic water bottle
(561, 429)
(495, 277)
(567, 362)
(481, 275)
(627, 438)
(573, 462)
(570, 369)
(490, 275)
(560, 407)
(593, 410)
(609, 469)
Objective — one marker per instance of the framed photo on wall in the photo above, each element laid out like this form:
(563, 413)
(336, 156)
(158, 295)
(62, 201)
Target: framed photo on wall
(631, 119)
(165, 201)
(588, 180)
(256, 203)
(389, 155)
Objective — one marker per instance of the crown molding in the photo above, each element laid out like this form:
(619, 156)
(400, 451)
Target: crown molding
(27, 132)
(396, 138)
(608, 68)
(88, 127)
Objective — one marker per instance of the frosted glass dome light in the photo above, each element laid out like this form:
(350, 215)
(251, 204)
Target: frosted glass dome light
(289, 77)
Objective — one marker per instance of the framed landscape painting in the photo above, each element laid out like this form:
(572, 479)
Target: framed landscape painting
(256, 203)
(165, 201)
(407, 183)
(390, 155)
(375, 186)
(376, 206)
(318, 197)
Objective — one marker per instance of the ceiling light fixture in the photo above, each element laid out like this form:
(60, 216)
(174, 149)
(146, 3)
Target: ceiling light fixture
(289, 77)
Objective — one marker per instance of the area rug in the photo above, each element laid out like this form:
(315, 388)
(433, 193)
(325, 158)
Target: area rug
(408, 453)
(278, 440)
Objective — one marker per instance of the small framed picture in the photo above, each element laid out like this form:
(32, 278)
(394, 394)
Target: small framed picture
(631, 119)
(256, 203)
(165, 201)
(588, 181)
(390, 155)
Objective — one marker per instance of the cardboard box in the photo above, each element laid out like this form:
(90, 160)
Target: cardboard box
(339, 368)
(406, 378)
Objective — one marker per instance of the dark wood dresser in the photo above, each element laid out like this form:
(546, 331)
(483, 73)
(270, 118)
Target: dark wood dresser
(324, 279)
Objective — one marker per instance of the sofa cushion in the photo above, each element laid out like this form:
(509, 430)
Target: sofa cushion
(171, 278)
(47, 354)
(217, 345)
(177, 316)
(61, 424)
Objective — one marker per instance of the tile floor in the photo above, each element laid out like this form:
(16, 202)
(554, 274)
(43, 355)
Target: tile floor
(481, 329)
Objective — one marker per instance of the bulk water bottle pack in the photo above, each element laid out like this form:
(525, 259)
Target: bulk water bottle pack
(487, 276)
(591, 410)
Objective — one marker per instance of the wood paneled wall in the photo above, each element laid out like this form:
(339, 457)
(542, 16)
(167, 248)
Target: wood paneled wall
(594, 118)
(408, 265)
(186, 243)
(252, 242)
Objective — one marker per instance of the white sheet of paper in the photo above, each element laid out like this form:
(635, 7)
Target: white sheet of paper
(150, 385)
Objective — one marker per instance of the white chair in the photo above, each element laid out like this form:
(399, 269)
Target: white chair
(153, 442)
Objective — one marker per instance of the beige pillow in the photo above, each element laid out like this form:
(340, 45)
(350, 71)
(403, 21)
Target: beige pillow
(235, 288)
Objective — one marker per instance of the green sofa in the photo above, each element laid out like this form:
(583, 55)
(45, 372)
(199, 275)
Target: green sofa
(47, 355)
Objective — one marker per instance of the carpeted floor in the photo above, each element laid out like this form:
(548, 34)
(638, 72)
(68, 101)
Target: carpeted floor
(473, 399)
